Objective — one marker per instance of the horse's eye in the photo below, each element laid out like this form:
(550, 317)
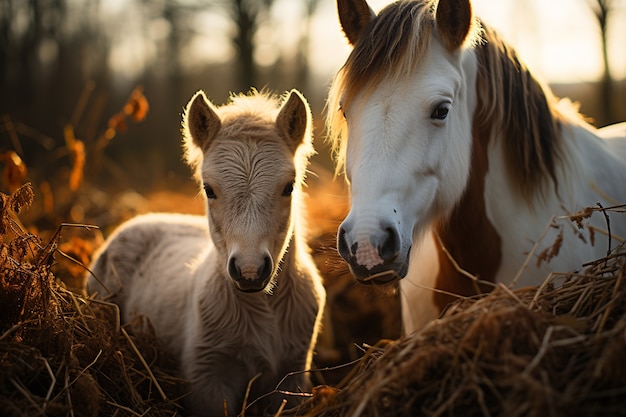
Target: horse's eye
(441, 112)
(208, 190)
(287, 190)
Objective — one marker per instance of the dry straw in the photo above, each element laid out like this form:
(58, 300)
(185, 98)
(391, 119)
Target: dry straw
(557, 350)
(64, 354)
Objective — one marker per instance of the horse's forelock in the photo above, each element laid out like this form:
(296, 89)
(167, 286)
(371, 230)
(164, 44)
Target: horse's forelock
(390, 47)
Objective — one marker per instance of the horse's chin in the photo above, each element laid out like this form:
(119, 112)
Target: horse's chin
(380, 275)
(250, 288)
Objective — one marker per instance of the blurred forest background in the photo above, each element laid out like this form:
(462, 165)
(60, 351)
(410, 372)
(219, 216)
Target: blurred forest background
(68, 68)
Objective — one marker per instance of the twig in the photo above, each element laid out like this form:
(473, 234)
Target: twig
(144, 363)
(52, 383)
(127, 409)
(114, 307)
(245, 397)
(281, 408)
(550, 225)
(608, 228)
(475, 280)
(82, 371)
(27, 395)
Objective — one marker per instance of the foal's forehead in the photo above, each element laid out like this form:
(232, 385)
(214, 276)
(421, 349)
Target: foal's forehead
(249, 155)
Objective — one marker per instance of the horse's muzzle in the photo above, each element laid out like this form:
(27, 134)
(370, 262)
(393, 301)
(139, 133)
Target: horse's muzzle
(374, 264)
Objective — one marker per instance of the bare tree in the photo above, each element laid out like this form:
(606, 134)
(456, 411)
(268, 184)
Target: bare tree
(246, 15)
(602, 10)
(303, 70)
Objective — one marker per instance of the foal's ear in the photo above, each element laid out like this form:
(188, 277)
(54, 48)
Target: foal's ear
(293, 119)
(354, 15)
(200, 121)
(454, 20)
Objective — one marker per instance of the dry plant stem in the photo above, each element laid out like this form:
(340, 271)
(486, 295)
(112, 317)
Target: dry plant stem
(510, 293)
(68, 384)
(53, 382)
(127, 409)
(143, 362)
(438, 291)
(532, 253)
(281, 408)
(69, 394)
(475, 280)
(609, 309)
(27, 395)
(114, 307)
(608, 228)
(82, 102)
(79, 310)
(13, 328)
(247, 394)
(12, 132)
(382, 274)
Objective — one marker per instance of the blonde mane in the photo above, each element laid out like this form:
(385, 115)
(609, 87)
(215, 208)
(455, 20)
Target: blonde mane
(510, 98)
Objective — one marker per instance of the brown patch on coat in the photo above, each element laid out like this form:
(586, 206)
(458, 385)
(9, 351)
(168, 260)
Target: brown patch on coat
(468, 235)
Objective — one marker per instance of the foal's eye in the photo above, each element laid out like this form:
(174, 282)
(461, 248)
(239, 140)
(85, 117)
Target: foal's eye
(287, 190)
(208, 190)
(441, 112)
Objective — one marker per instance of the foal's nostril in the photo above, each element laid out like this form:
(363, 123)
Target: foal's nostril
(391, 245)
(233, 269)
(266, 269)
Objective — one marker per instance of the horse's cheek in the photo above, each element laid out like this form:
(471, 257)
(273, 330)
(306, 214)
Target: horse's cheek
(216, 231)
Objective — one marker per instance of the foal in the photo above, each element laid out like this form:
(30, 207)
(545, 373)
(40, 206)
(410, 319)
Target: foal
(237, 295)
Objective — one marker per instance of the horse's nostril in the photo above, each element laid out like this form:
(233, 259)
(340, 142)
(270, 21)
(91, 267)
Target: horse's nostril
(391, 245)
(266, 269)
(233, 269)
(342, 245)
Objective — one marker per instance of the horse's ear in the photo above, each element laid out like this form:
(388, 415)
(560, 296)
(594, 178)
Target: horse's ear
(454, 20)
(293, 119)
(201, 121)
(354, 15)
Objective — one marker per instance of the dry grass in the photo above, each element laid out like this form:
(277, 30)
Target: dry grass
(551, 351)
(64, 354)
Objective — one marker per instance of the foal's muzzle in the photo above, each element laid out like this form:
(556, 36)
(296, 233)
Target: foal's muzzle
(250, 277)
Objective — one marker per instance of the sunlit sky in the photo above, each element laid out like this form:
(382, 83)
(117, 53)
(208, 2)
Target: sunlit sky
(559, 39)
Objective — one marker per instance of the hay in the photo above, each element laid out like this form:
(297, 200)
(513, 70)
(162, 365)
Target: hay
(550, 351)
(557, 350)
(64, 354)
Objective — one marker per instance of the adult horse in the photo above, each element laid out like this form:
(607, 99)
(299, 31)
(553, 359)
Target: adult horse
(234, 295)
(458, 158)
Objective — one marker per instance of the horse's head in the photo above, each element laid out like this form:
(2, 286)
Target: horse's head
(250, 156)
(400, 116)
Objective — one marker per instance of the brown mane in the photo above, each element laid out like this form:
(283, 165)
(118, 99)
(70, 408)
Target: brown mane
(510, 98)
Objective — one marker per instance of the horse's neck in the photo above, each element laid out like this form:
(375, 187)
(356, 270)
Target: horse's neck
(466, 241)
(494, 226)
(589, 169)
